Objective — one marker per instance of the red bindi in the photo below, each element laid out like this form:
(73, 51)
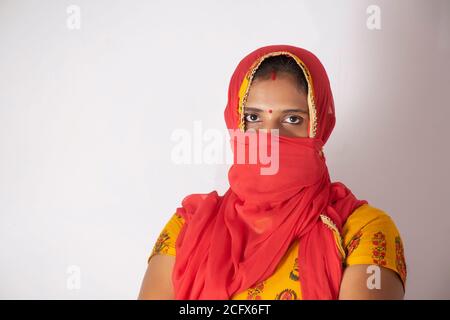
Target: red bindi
(270, 110)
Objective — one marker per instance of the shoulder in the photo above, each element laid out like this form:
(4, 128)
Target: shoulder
(165, 243)
(367, 217)
(370, 236)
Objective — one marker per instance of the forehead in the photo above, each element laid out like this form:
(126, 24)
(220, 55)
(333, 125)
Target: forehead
(278, 93)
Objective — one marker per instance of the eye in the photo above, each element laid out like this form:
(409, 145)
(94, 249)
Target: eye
(294, 120)
(251, 117)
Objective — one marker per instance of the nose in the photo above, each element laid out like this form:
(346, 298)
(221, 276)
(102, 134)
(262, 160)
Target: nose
(272, 123)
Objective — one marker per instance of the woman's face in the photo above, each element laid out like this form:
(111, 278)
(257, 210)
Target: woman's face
(277, 103)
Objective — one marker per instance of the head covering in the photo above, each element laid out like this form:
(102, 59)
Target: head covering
(232, 242)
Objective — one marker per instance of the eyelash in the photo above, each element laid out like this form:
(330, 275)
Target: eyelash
(246, 115)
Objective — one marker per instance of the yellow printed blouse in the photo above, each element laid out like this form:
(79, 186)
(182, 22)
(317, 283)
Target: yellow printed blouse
(369, 236)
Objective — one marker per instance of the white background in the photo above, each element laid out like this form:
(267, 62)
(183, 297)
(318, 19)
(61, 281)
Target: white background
(86, 118)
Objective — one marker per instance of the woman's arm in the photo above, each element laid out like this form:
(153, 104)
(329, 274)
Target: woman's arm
(354, 285)
(157, 282)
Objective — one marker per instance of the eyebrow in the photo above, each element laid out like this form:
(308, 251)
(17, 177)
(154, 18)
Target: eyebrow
(284, 111)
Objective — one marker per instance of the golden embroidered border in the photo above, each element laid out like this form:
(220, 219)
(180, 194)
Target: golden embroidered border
(245, 86)
(330, 224)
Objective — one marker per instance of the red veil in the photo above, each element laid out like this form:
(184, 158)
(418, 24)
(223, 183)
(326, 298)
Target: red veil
(230, 243)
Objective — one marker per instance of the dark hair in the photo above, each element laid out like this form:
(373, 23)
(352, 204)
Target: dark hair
(281, 63)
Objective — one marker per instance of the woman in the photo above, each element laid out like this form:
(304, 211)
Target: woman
(291, 234)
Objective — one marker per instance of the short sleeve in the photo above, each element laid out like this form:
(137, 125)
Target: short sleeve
(370, 236)
(165, 244)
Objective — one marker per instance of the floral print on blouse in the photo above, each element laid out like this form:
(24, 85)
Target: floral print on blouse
(369, 236)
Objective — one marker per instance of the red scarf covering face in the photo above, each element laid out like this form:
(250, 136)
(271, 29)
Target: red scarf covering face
(232, 242)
